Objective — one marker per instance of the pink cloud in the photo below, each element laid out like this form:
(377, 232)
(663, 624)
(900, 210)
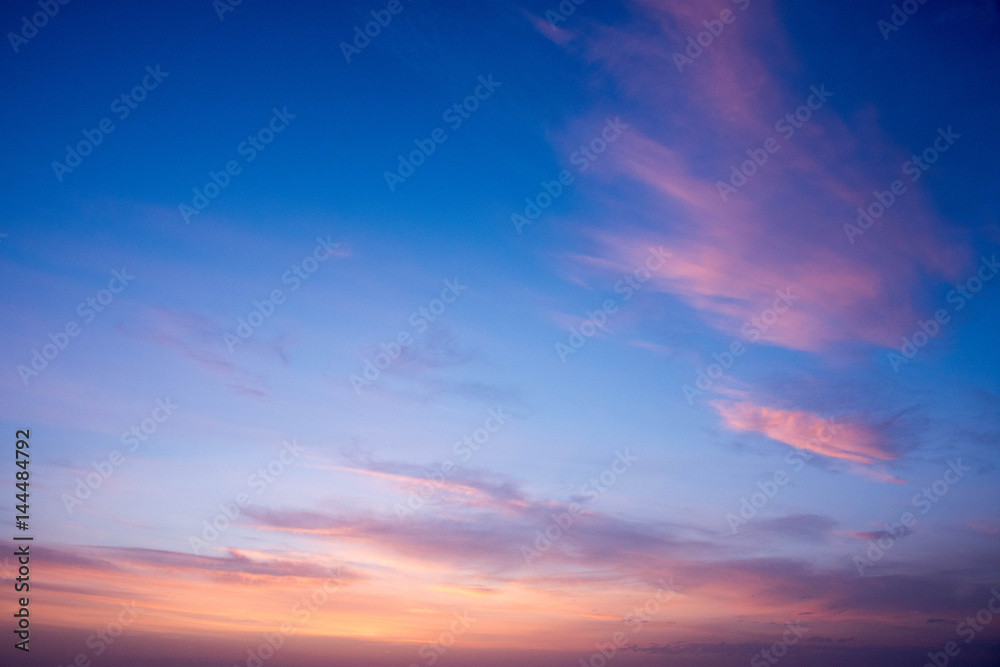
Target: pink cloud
(785, 226)
(807, 431)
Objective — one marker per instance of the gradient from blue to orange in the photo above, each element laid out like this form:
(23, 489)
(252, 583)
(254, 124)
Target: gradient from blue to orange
(758, 490)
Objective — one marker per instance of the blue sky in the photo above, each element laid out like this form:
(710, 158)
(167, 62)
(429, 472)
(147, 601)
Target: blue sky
(316, 196)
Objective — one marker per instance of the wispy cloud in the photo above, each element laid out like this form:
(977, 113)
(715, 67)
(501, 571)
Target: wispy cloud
(807, 431)
(784, 228)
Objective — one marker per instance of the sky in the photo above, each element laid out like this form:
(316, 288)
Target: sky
(525, 333)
